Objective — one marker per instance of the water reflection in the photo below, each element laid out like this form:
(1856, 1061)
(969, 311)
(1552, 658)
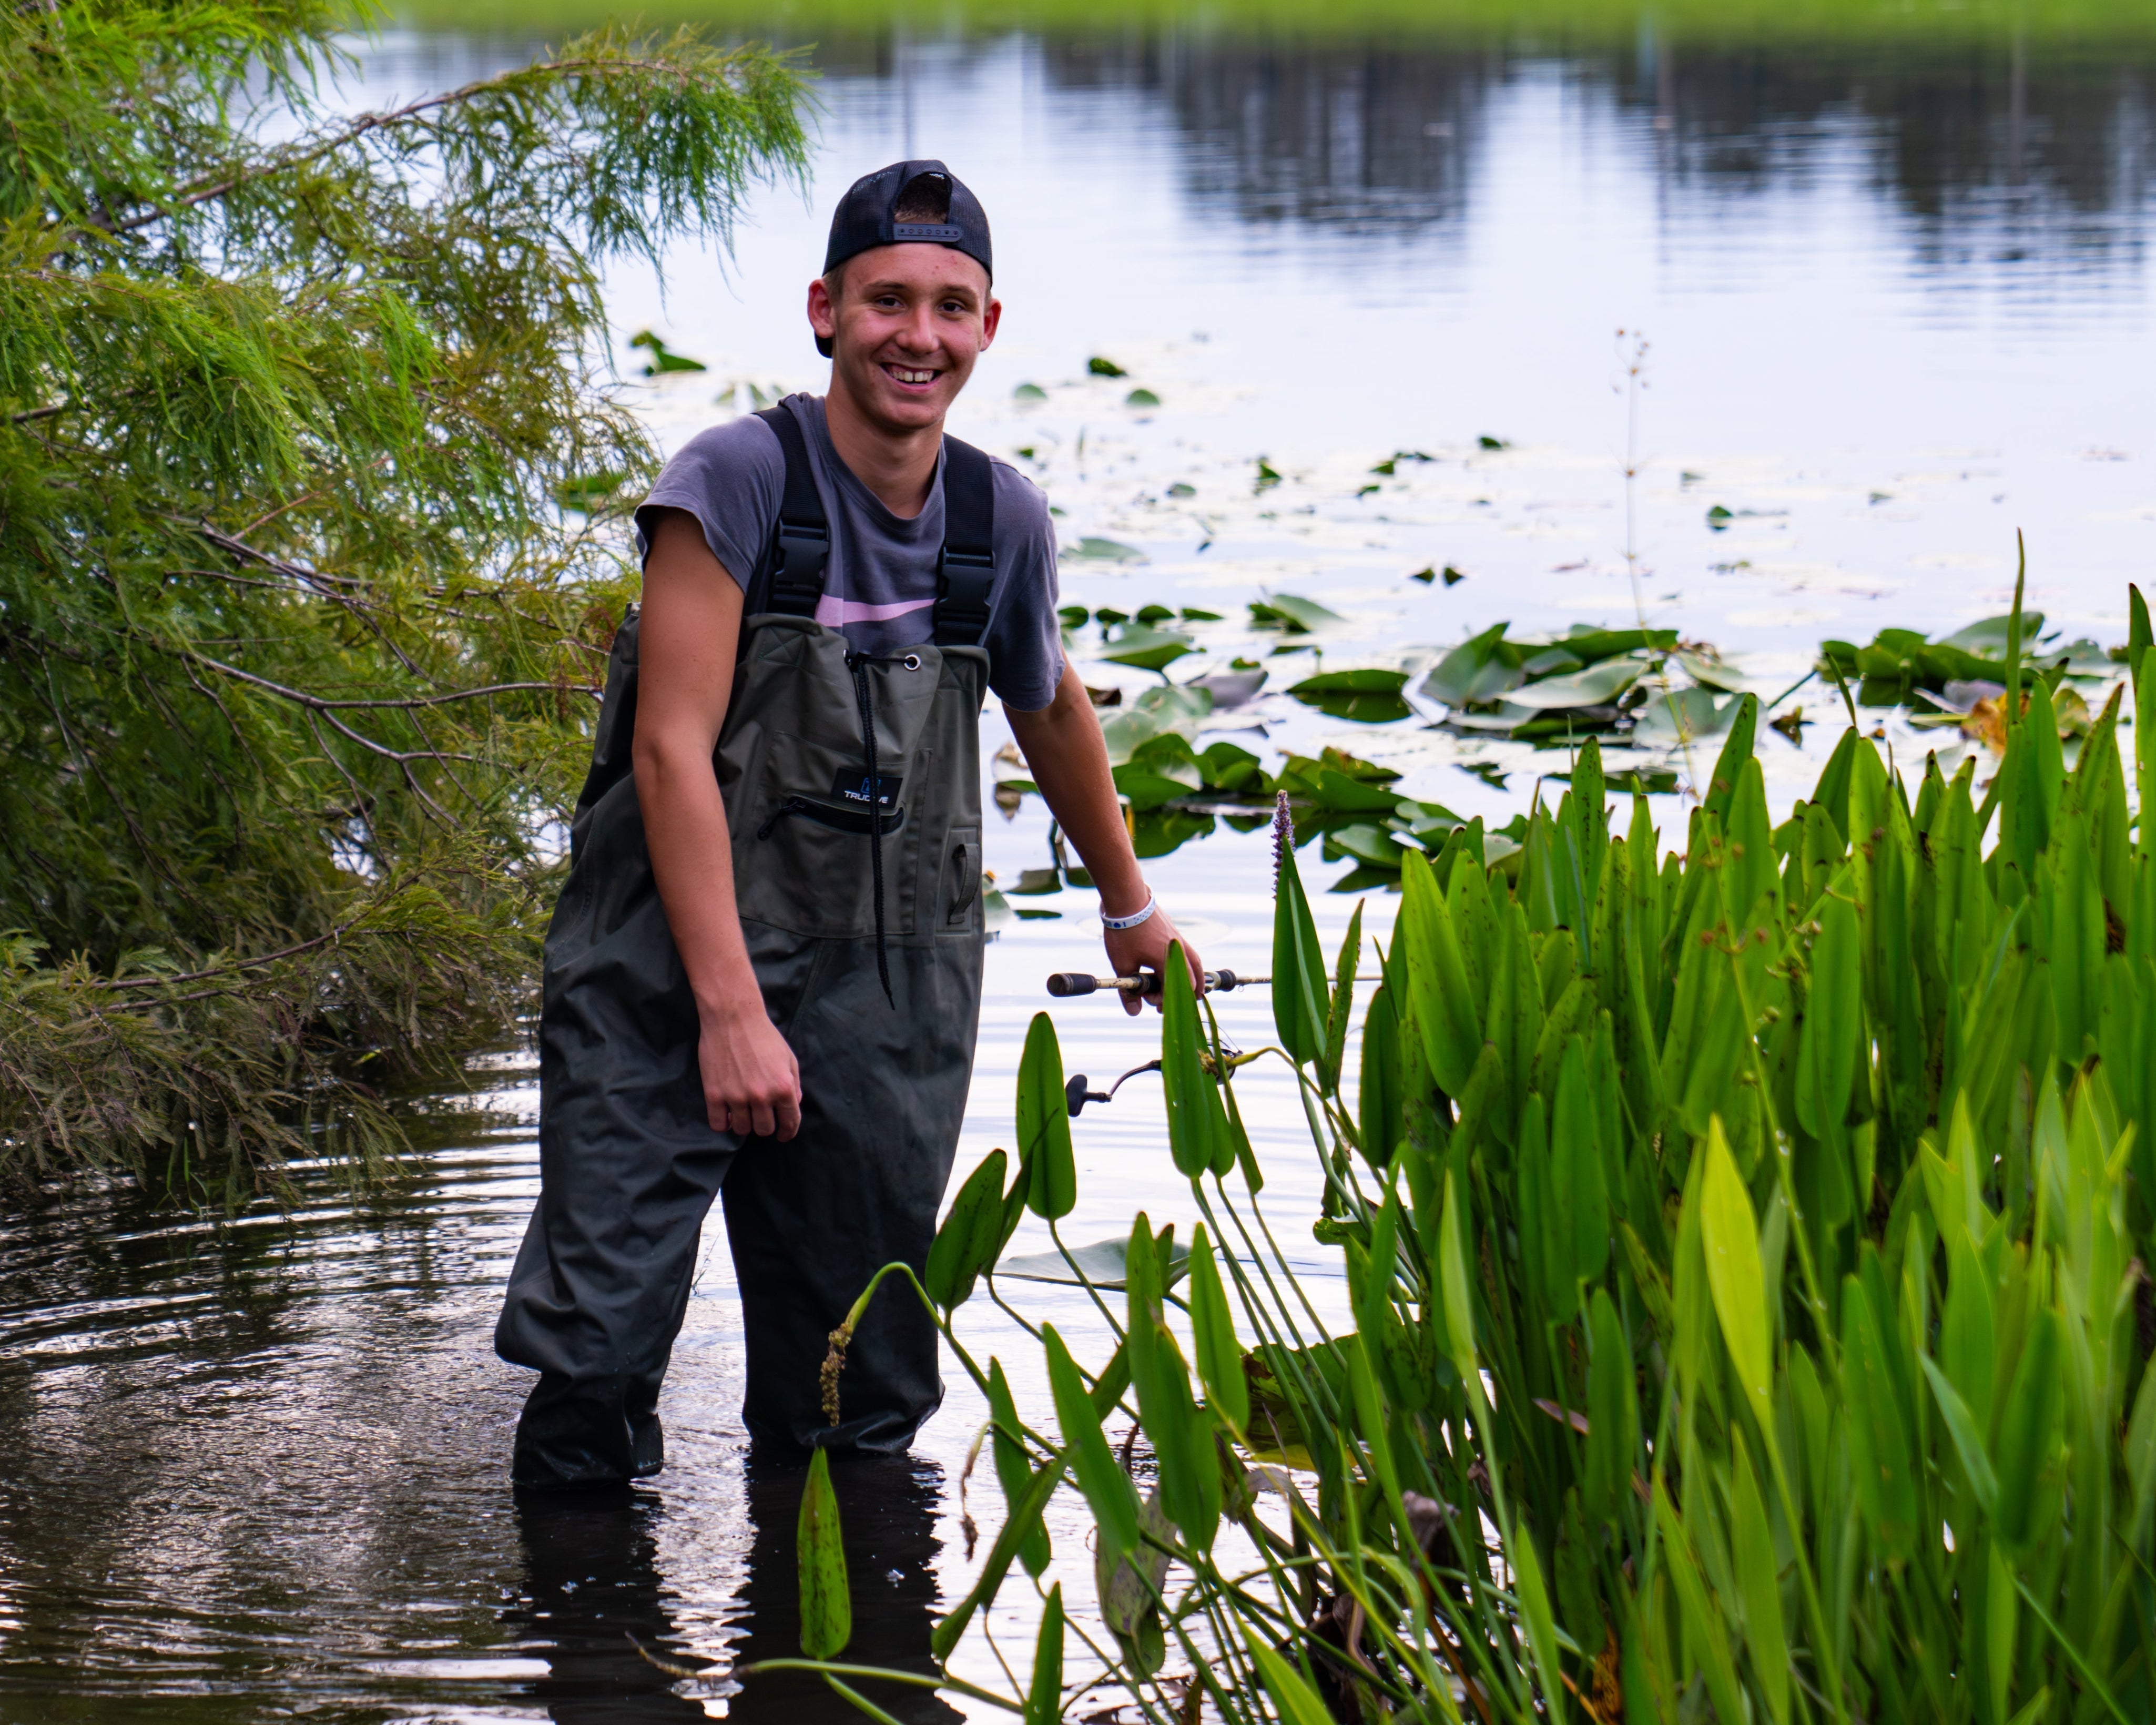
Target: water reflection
(592, 1596)
(2054, 141)
(887, 1508)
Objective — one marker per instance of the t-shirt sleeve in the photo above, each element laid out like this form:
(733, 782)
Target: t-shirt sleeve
(1025, 636)
(731, 479)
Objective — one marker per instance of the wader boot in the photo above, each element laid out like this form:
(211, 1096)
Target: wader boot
(852, 790)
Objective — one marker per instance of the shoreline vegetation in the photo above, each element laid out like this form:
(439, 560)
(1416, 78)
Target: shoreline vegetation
(300, 623)
(1746, 1246)
(1552, 23)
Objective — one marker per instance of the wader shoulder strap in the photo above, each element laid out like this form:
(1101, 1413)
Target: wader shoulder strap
(790, 577)
(966, 572)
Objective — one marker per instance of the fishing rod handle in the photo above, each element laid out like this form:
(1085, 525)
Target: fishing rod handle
(1064, 984)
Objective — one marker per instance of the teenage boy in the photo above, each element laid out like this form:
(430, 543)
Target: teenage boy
(763, 977)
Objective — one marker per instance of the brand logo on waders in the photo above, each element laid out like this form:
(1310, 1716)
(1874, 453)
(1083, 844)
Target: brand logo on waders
(852, 787)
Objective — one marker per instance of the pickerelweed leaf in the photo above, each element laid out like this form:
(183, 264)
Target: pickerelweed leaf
(827, 1607)
(971, 1236)
(1044, 1123)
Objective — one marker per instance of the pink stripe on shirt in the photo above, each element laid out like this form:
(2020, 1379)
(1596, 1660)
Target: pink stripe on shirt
(834, 613)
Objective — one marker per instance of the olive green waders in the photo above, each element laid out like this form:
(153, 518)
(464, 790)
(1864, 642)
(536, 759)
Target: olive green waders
(852, 790)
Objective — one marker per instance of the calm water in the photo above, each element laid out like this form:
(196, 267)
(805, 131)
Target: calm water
(1899, 306)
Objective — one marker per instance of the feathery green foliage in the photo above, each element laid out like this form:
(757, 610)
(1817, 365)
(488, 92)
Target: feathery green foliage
(299, 641)
(1751, 1322)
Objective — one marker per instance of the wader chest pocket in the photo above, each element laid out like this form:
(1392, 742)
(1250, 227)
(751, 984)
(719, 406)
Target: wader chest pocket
(801, 844)
(961, 877)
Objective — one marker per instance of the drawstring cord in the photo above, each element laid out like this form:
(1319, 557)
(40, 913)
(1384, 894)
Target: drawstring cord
(859, 664)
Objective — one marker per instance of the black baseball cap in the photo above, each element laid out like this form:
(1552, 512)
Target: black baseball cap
(938, 211)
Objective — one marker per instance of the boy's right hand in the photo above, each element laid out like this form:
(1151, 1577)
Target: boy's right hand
(752, 1082)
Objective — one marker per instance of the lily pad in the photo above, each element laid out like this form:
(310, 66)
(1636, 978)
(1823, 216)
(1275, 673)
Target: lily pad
(1146, 649)
(1028, 392)
(1362, 709)
(1595, 686)
(1034, 883)
(1678, 716)
(1230, 689)
(1366, 679)
(1168, 708)
(1103, 1263)
(1105, 551)
(1373, 846)
(1099, 367)
(1141, 398)
(1292, 613)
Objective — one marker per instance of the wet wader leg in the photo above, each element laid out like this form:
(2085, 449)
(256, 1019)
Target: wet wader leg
(883, 1094)
(629, 1169)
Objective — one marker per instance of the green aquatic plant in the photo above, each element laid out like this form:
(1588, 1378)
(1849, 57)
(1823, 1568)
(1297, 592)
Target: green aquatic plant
(300, 639)
(1745, 1246)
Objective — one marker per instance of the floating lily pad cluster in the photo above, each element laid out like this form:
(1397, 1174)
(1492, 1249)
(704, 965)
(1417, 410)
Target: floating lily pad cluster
(1584, 682)
(1898, 664)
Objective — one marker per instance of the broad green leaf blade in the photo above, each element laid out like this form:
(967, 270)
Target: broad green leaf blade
(1298, 1703)
(1024, 1516)
(1107, 1486)
(1184, 1077)
(1441, 1001)
(1044, 1698)
(1379, 1102)
(1968, 1440)
(827, 1609)
(1458, 1297)
(2028, 1428)
(1213, 1334)
(1013, 1473)
(1752, 1553)
(1706, 1636)
(1533, 1596)
(1729, 1235)
(1044, 1123)
(970, 1236)
(1300, 998)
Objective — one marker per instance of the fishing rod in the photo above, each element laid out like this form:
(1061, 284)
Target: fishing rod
(1064, 984)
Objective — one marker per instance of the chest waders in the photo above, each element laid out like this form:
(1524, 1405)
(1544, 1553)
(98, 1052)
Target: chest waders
(852, 790)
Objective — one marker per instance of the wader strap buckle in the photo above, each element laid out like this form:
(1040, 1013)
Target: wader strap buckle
(797, 575)
(966, 572)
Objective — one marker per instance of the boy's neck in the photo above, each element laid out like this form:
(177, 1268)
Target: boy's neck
(896, 463)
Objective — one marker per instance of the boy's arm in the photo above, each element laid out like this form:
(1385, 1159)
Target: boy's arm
(1069, 760)
(686, 637)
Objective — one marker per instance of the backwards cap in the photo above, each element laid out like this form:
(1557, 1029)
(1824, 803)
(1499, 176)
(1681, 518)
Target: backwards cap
(909, 203)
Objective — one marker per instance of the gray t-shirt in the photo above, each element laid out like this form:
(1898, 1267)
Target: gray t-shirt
(880, 583)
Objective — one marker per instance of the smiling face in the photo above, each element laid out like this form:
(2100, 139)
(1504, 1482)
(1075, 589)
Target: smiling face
(906, 324)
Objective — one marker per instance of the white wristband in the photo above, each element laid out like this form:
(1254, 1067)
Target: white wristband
(1132, 921)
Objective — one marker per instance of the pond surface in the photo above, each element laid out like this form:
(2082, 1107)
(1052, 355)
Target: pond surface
(1899, 302)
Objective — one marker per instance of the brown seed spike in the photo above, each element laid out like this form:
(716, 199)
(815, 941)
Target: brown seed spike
(834, 1362)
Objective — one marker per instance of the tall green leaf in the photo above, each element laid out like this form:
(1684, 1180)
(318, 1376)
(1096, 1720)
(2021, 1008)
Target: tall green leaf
(1301, 1003)
(971, 1236)
(1183, 1079)
(1729, 1235)
(1044, 1696)
(1441, 1000)
(1107, 1486)
(827, 1606)
(1213, 1334)
(1013, 1473)
(1044, 1123)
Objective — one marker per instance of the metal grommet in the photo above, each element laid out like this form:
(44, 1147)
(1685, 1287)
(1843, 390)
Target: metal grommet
(911, 661)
